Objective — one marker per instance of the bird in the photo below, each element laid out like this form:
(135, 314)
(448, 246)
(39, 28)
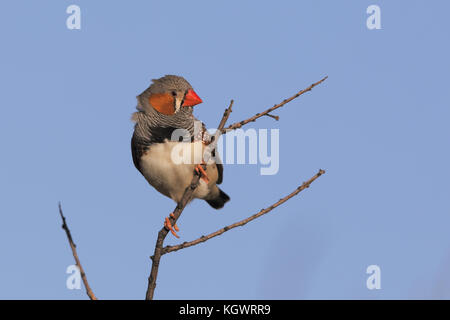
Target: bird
(164, 110)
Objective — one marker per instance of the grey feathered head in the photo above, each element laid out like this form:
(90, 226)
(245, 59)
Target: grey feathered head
(170, 89)
(169, 82)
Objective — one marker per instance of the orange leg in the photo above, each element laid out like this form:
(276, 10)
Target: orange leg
(202, 172)
(169, 227)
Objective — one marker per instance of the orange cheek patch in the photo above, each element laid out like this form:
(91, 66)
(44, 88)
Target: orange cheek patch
(162, 102)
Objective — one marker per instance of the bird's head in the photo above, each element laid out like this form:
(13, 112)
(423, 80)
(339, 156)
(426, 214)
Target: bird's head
(168, 95)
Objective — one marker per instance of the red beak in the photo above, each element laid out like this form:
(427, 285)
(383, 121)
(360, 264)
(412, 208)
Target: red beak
(191, 99)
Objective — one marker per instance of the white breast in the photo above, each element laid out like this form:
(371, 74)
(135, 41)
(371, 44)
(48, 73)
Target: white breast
(169, 168)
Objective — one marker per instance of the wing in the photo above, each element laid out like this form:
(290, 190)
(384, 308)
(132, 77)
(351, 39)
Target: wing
(137, 150)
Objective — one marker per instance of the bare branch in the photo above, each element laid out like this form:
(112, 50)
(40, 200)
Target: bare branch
(187, 196)
(89, 291)
(176, 214)
(259, 115)
(183, 245)
(195, 181)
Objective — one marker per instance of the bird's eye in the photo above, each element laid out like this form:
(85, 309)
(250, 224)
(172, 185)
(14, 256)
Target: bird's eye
(174, 93)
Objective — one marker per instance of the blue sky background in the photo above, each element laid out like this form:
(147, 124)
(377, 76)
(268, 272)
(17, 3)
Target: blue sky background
(379, 126)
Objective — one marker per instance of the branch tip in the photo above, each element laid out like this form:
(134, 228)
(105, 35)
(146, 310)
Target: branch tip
(89, 291)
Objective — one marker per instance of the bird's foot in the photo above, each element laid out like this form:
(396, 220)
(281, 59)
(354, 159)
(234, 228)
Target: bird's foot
(175, 225)
(169, 227)
(199, 169)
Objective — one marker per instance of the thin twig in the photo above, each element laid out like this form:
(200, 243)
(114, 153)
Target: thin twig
(89, 291)
(259, 115)
(176, 214)
(225, 116)
(183, 245)
(215, 138)
(273, 116)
